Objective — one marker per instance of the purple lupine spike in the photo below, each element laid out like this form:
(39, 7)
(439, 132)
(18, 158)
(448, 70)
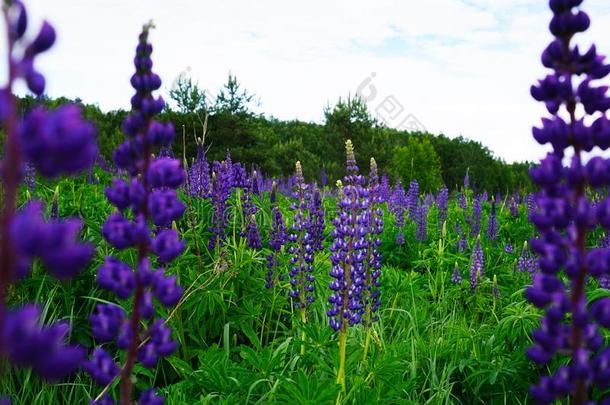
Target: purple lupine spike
(253, 236)
(421, 219)
(477, 263)
(348, 249)
(463, 203)
(385, 190)
(508, 248)
(492, 223)
(514, 207)
(413, 199)
(29, 176)
(531, 205)
(151, 196)
(277, 239)
(462, 243)
(466, 180)
(317, 220)
(323, 178)
(301, 248)
(397, 205)
(475, 222)
(563, 214)
(250, 226)
(222, 180)
(442, 204)
(456, 276)
(54, 143)
(199, 173)
(371, 295)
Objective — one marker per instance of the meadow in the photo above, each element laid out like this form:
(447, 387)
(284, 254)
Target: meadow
(435, 342)
(133, 271)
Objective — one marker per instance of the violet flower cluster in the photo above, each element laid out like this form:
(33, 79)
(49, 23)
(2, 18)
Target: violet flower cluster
(397, 205)
(277, 240)
(53, 142)
(492, 223)
(199, 173)
(372, 271)
(413, 199)
(477, 265)
(147, 205)
(349, 248)
(421, 220)
(442, 205)
(564, 216)
(317, 220)
(222, 183)
(301, 246)
(250, 226)
(456, 276)
(475, 219)
(527, 262)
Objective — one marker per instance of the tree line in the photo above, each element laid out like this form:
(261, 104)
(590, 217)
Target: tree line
(274, 145)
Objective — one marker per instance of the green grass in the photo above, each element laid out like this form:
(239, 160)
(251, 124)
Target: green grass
(435, 342)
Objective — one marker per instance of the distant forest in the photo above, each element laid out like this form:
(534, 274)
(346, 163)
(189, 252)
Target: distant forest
(274, 145)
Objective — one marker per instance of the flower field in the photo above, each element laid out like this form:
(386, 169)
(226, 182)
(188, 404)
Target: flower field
(158, 278)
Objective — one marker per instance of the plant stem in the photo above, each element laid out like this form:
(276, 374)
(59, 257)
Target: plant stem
(367, 342)
(342, 351)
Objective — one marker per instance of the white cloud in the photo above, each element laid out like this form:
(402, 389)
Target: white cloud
(461, 67)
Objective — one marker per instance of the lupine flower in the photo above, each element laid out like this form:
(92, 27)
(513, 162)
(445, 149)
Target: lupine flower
(301, 247)
(152, 199)
(277, 239)
(463, 203)
(462, 243)
(466, 180)
(526, 261)
(508, 248)
(604, 280)
(531, 205)
(442, 202)
(317, 221)
(413, 199)
(323, 178)
(456, 277)
(514, 207)
(222, 181)
(421, 219)
(372, 265)
(397, 207)
(29, 176)
(199, 173)
(564, 215)
(477, 263)
(250, 228)
(348, 250)
(477, 211)
(492, 223)
(385, 190)
(54, 143)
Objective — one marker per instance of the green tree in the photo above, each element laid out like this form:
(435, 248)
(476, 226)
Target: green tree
(188, 96)
(418, 160)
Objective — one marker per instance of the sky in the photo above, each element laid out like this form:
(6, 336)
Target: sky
(457, 67)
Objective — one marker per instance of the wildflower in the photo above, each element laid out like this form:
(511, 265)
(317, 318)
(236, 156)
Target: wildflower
(150, 195)
(563, 214)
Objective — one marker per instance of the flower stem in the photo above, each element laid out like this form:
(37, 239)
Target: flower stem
(342, 352)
